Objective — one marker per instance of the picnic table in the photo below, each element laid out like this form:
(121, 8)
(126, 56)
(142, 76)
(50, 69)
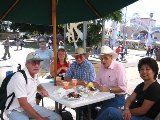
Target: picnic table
(75, 103)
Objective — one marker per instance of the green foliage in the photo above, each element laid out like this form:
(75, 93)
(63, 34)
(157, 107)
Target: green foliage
(116, 16)
(93, 34)
(35, 29)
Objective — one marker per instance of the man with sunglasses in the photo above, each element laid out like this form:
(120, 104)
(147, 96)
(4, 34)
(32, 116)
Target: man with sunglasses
(23, 106)
(81, 69)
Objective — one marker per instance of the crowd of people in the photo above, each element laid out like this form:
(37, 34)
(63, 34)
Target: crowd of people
(142, 104)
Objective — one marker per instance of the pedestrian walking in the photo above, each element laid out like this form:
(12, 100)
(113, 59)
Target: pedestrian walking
(17, 41)
(148, 51)
(50, 43)
(21, 42)
(6, 48)
(125, 49)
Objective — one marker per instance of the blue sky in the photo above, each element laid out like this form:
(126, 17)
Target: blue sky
(144, 7)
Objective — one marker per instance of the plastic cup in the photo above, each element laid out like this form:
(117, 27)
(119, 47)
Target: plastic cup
(66, 85)
(74, 82)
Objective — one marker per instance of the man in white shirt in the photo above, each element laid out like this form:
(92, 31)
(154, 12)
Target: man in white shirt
(23, 106)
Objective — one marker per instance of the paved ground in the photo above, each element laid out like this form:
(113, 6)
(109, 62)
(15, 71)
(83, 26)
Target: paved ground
(131, 68)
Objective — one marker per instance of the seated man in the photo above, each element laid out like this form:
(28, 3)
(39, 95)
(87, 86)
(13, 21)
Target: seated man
(111, 78)
(81, 69)
(23, 106)
(144, 102)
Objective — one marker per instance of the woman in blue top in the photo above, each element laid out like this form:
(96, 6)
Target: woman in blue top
(47, 56)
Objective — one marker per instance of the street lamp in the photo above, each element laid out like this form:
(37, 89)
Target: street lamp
(149, 39)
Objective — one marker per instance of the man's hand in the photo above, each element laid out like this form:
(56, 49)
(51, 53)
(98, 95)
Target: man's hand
(44, 93)
(103, 88)
(43, 118)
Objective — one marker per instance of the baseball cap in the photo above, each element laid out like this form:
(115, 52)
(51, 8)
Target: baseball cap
(33, 56)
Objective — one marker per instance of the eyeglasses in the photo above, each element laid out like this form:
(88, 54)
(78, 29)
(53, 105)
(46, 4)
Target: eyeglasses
(33, 63)
(105, 57)
(79, 56)
(42, 41)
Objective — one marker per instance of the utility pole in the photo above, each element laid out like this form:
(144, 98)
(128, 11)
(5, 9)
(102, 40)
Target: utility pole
(124, 27)
(103, 31)
(149, 39)
(84, 34)
(65, 31)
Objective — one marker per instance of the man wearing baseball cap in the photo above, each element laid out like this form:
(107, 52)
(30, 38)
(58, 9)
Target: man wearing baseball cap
(23, 106)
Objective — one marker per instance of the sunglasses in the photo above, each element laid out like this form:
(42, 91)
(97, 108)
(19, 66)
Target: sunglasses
(79, 56)
(34, 63)
(42, 41)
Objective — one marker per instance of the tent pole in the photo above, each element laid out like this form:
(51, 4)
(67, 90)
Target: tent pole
(54, 44)
(54, 37)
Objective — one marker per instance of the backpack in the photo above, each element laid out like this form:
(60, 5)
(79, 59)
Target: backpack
(66, 115)
(3, 92)
(159, 76)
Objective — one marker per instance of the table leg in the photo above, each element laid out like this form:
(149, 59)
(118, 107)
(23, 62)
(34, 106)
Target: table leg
(77, 114)
(89, 112)
(56, 107)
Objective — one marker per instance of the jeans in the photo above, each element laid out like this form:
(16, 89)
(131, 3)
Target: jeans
(116, 114)
(15, 115)
(116, 102)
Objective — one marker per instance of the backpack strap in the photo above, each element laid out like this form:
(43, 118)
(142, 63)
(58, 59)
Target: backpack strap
(13, 94)
(24, 75)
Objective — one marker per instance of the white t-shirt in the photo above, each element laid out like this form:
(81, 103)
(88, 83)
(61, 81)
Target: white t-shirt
(18, 85)
(46, 55)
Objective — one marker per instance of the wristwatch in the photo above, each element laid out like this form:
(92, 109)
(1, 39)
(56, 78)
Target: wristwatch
(110, 90)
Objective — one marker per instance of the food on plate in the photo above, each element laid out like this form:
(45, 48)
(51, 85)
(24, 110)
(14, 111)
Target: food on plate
(90, 86)
(74, 95)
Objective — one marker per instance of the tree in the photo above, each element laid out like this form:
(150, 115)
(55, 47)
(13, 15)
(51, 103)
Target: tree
(115, 16)
(93, 34)
(96, 27)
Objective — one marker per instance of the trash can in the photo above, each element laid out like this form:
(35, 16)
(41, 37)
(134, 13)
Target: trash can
(4, 71)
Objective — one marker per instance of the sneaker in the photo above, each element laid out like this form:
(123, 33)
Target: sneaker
(4, 58)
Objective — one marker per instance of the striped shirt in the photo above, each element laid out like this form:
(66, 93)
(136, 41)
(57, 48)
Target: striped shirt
(84, 71)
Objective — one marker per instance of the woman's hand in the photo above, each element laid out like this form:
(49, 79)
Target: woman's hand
(59, 82)
(126, 114)
(64, 68)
